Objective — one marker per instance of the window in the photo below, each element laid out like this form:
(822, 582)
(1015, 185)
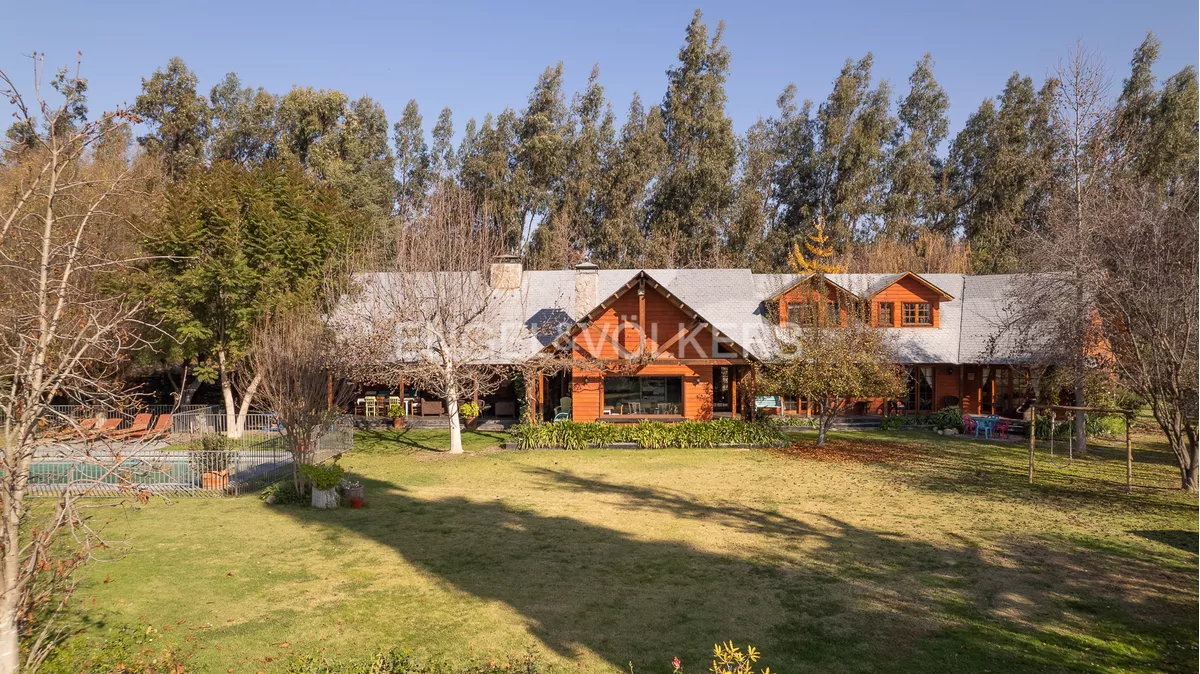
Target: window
(799, 313)
(887, 315)
(917, 313)
(920, 389)
(833, 314)
(644, 395)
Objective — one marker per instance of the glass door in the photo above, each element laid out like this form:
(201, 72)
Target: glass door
(722, 389)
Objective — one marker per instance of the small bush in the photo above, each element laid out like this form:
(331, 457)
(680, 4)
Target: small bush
(126, 649)
(892, 423)
(1096, 426)
(786, 421)
(284, 493)
(947, 417)
(646, 434)
(323, 477)
(395, 411)
(469, 410)
(210, 453)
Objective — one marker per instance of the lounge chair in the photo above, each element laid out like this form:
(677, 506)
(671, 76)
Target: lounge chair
(432, 408)
(140, 423)
(84, 427)
(105, 428)
(161, 425)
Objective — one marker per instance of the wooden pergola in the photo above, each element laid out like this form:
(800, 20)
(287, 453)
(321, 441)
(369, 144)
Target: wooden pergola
(1095, 410)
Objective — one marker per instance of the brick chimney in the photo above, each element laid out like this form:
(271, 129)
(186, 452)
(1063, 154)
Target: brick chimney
(506, 272)
(587, 288)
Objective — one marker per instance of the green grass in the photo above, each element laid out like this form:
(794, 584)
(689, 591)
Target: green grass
(948, 561)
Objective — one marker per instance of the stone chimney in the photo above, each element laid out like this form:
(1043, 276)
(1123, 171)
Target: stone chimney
(505, 272)
(587, 288)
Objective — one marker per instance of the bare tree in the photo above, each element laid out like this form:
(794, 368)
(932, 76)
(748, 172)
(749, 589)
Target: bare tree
(63, 333)
(1052, 314)
(434, 315)
(831, 356)
(290, 355)
(1148, 306)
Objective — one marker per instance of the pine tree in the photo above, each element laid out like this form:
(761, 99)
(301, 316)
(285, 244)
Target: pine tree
(694, 191)
(820, 248)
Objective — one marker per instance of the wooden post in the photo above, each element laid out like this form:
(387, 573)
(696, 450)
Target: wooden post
(733, 399)
(1128, 458)
(1032, 440)
(329, 396)
(476, 394)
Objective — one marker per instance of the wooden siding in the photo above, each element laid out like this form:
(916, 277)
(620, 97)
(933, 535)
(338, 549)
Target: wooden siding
(804, 294)
(623, 323)
(907, 289)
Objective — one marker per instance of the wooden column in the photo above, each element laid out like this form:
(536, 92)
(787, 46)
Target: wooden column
(1033, 440)
(329, 395)
(733, 398)
(475, 397)
(1128, 457)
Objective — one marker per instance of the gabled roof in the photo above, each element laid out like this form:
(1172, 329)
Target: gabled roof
(804, 278)
(895, 278)
(583, 322)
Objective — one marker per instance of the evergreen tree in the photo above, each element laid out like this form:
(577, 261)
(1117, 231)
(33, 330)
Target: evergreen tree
(1001, 172)
(694, 192)
(852, 127)
(542, 155)
(243, 122)
(412, 162)
(913, 200)
(442, 154)
(753, 197)
(630, 166)
(821, 254)
(796, 183)
(488, 173)
(176, 116)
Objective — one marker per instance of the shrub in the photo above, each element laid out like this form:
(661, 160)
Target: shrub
(1096, 426)
(126, 649)
(646, 434)
(469, 410)
(793, 421)
(210, 453)
(395, 410)
(729, 659)
(323, 477)
(892, 423)
(284, 493)
(947, 417)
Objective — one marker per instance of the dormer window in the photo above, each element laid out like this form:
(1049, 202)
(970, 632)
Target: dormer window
(887, 315)
(918, 313)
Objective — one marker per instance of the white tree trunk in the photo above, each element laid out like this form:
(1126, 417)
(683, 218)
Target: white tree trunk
(10, 650)
(452, 412)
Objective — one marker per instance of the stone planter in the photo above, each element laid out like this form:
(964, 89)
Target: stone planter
(324, 498)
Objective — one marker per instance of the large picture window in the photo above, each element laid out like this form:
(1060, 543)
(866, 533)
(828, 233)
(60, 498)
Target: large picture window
(920, 389)
(644, 395)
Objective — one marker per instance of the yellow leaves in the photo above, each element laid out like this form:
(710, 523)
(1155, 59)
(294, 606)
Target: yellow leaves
(821, 252)
(729, 659)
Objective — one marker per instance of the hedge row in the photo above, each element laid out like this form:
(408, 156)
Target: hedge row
(646, 434)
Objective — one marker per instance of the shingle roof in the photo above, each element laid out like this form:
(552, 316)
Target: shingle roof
(732, 300)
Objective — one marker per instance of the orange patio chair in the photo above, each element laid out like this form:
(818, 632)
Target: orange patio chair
(140, 423)
(105, 428)
(72, 431)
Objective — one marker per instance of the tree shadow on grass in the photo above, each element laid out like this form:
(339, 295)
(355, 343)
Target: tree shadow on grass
(847, 599)
(410, 440)
(1176, 538)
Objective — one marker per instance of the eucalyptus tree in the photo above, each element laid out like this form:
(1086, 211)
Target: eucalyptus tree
(413, 163)
(914, 199)
(630, 165)
(177, 118)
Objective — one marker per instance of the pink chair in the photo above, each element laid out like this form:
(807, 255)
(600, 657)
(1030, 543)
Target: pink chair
(968, 424)
(1001, 429)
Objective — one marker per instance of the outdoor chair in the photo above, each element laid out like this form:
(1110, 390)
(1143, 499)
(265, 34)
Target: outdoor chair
(71, 431)
(140, 423)
(506, 408)
(1001, 429)
(563, 411)
(105, 428)
(432, 408)
(161, 425)
(369, 406)
(968, 424)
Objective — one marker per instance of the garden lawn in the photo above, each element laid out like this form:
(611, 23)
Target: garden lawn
(901, 552)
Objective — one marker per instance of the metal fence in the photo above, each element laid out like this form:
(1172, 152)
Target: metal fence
(258, 459)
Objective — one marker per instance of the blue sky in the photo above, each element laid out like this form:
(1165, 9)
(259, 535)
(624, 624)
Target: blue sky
(478, 57)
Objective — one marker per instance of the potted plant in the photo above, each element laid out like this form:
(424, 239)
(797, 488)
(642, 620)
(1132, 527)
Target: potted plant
(396, 412)
(325, 481)
(470, 412)
(354, 493)
(211, 456)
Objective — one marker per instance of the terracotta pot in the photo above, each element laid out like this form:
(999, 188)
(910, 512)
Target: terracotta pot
(397, 422)
(356, 503)
(471, 423)
(215, 479)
